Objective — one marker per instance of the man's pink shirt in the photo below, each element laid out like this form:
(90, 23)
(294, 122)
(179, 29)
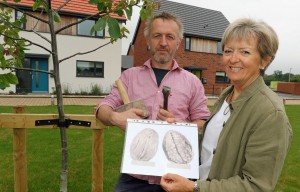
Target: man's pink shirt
(187, 100)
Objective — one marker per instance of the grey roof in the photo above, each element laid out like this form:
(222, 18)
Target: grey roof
(197, 21)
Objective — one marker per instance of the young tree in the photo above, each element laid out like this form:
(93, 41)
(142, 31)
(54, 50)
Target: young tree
(13, 46)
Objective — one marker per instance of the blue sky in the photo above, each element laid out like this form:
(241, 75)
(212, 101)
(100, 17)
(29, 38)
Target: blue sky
(283, 16)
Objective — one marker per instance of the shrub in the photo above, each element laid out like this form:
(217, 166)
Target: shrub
(96, 89)
(67, 90)
(84, 91)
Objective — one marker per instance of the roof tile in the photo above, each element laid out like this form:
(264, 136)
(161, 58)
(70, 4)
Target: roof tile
(74, 6)
(197, 21)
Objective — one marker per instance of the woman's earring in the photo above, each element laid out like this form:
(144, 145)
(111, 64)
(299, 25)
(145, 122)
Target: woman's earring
(148, 48)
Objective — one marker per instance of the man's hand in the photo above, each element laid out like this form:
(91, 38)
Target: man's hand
(168, 116)
(120, 118)
(109, 117)
(163, 114)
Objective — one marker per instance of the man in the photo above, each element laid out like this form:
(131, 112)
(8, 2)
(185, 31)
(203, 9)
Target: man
(187, 101)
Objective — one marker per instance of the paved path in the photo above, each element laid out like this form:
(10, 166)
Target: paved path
(46, 100)
(42, 100)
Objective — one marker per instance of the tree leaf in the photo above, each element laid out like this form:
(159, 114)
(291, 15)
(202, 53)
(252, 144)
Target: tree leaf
(113, 28)
(93, 1)
(143, 14)
(36, 5)
(3, 84)
(10, 78)
(101, 6)
(128, 11)
(23, 19)
(56, 16)
(119, 12)
(1, 49)
(7, 79)
(3, 61)
(100, 24)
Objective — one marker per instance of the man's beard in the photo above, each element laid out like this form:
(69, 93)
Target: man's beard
(162, 59)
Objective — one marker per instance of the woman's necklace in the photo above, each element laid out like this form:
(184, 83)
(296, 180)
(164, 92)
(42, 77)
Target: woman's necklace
(229, 98)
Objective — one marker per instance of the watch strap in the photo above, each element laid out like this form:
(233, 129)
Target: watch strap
(196, 186)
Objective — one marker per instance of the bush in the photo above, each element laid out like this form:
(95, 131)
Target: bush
(84, 91)
(96, 89)
(67, 90)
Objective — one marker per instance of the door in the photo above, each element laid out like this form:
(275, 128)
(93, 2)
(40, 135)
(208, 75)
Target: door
(39, 81)
(24, 77)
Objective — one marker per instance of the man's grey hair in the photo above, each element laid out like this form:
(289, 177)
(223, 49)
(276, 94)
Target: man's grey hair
(164, 16)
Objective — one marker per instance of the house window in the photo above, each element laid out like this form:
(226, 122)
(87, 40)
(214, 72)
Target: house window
(89, 69)
(221, 77)
(219, 49)
(18, 16)
(188, 43)
(201, 45)
(84, 29)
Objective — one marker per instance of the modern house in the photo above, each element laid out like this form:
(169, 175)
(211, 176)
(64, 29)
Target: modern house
(200, 51)
(79, 73)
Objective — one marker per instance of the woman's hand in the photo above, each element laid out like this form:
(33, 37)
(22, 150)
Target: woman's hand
(176, 183)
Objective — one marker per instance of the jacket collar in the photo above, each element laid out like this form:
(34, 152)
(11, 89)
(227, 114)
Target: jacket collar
(251, 90)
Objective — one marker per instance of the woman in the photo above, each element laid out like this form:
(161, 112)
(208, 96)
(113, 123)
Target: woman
(247, 137)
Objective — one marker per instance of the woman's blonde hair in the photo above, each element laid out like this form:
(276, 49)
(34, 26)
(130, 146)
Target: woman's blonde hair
(245, 28)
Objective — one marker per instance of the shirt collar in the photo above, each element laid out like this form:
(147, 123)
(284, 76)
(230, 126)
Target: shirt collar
(175, 64)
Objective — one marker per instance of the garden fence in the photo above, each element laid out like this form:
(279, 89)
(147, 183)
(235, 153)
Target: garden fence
(20, 121)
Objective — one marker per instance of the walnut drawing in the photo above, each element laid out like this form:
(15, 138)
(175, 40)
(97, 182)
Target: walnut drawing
(177, 147)
(144, 145)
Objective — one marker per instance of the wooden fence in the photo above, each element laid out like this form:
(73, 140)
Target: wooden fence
(19, 122)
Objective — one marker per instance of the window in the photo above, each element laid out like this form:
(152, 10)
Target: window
(187, 43)
(89, 69)
(221, 77)
(84, 29)
(219, 50)
(202, 45)
(19, 15)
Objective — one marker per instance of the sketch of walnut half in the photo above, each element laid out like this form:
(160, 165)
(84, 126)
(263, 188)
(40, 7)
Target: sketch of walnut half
(177, 147)
(144, 145)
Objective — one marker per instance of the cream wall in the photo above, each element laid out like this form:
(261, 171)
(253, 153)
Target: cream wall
(69, 45)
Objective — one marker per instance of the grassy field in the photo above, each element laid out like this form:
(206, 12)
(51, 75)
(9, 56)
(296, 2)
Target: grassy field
(44, 155)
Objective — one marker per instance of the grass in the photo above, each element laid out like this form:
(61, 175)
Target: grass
(289, 179)
(44, 155)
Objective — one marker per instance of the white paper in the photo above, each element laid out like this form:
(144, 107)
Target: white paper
(157, 147)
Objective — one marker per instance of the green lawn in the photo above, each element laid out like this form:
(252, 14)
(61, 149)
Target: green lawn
(44, 155)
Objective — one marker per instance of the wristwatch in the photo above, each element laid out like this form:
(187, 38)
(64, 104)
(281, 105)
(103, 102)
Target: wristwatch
(196, 186)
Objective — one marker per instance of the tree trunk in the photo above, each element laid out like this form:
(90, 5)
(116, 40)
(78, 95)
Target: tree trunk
(60, 106)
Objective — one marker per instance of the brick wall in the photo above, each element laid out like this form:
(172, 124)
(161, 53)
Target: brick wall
(289, 87)
(212, 62)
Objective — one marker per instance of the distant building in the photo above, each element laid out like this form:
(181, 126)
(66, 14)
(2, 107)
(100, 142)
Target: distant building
(78, 73)
(200, 51)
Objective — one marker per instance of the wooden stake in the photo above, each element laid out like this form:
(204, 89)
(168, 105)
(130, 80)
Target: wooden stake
(19, 151)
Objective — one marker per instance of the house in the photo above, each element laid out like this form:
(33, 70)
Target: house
(200, 51)
(79, 73)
